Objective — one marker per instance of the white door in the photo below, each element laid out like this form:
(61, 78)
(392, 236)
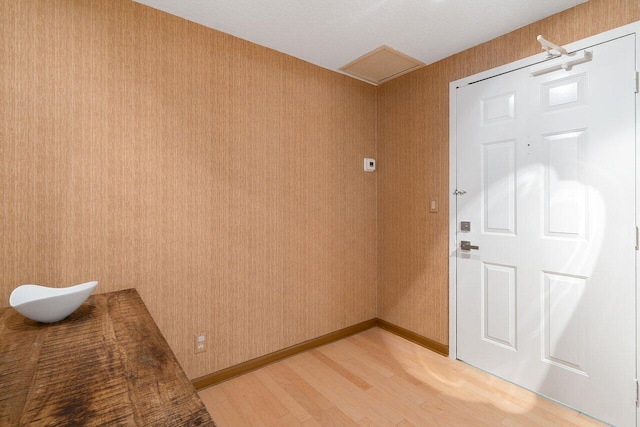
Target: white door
(547, 301)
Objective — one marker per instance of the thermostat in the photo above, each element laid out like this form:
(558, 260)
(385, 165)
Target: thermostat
(369, 165)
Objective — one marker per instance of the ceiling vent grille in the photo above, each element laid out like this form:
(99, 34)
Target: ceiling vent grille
(381, 65)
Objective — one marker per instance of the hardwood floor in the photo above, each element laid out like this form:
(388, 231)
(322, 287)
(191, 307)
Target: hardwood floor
(376, 378)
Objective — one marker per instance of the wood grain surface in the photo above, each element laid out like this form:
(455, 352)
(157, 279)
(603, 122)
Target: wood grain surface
(378, 379)
(107, 363)
(413, 163)
(221, 179)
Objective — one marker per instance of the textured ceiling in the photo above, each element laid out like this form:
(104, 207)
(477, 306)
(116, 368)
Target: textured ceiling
(332, 33)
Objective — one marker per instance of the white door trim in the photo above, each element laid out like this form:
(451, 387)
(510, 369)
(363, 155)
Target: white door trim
(633, 28)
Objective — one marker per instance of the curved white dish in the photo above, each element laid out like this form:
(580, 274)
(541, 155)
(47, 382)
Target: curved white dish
(48, 305)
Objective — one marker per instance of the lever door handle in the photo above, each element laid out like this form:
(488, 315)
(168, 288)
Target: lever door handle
(466, 245)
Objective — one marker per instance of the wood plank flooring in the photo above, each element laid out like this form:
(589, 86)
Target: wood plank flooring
(376, 378)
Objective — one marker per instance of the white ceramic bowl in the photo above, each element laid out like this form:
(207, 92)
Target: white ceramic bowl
(48, 305)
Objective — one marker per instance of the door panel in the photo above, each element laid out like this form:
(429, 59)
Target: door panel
(548, 166)
(498, 170)
(499, 305)
(565, 320)
(565, 190)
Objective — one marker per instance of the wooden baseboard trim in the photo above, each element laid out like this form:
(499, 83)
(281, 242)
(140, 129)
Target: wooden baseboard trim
(258, 362)
(413, 337)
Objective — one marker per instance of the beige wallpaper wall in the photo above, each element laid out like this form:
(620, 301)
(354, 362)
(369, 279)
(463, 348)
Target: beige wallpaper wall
(221, 179)
(413, 162)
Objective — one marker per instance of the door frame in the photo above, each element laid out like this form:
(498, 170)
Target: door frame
(633, 28)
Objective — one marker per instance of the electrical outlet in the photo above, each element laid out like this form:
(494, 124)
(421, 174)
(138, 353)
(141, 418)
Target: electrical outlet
(200, 343)
(369, 164)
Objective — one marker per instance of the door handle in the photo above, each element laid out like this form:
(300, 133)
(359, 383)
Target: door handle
(466, 245)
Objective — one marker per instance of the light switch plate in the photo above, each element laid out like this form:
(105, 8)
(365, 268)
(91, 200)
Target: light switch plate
(433, 205)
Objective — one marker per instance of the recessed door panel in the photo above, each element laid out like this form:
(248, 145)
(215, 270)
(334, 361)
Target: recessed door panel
(565, 319)
(498, 109)
(565, 191)
(499, 187)
(499, 305)
(564, 93)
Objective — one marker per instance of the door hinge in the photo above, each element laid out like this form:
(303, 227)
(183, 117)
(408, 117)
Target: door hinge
(637, 394)
(637, 82)
(637, 238)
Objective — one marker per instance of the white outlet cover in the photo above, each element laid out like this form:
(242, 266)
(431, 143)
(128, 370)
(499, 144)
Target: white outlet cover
(369, 164)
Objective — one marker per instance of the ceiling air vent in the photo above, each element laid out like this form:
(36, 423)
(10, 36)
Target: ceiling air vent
(381, 65)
